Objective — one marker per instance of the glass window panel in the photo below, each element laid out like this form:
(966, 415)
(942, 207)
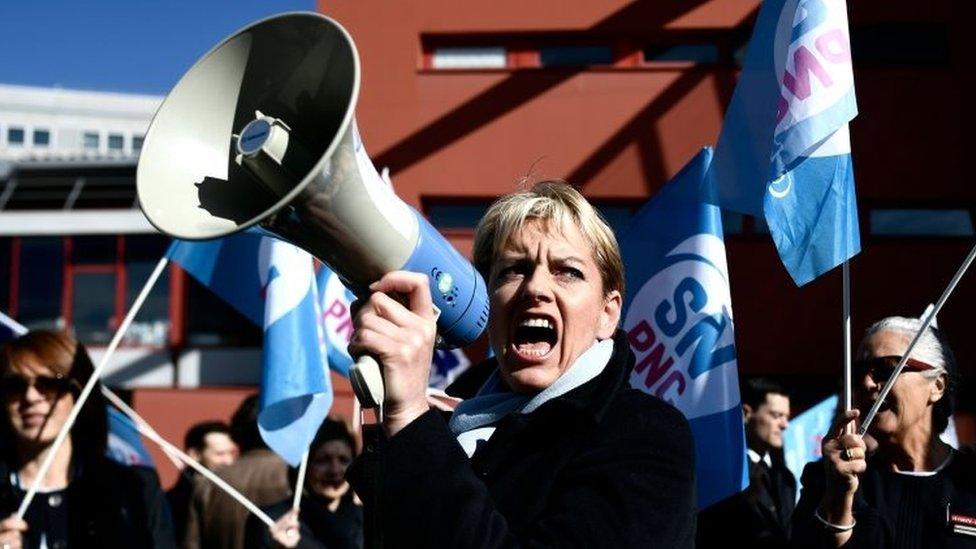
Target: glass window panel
(456, 216)
(94, 250)
(918, 222)
(211, 321)
(137, 141)
(469, 58)
(697, 53)
(93, 306)
(616, 215)
(115, 142)
(90, 141)
(151, 326)
(5, 245)
(555, 56)
(15, 136)
(42, 138)
(41, 281)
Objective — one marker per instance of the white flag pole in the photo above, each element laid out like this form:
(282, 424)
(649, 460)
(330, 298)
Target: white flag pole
(911, 346)
(300, 483)
(52, 451)
(847, 339)
(146, 430)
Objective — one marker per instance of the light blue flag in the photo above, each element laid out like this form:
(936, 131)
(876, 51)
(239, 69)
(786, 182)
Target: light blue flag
(801, 441)
(678, 317)
(273, 284)
(337, 324)
(784, 152)
(124, 443)
(228, 267)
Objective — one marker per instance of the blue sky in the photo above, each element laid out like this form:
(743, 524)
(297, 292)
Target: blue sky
(138, 46)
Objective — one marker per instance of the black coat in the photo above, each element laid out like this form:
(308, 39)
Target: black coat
(757, 517)
(319, 527)
(602, 466)
(109, 506)
(894, 510)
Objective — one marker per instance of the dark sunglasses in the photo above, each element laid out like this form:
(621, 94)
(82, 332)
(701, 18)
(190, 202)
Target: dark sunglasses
(15, 386)
(881, 368)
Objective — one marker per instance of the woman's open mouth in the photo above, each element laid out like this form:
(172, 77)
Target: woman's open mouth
(534, 338)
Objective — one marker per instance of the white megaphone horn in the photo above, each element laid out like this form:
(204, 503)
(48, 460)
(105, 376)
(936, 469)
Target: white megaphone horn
(260, 133)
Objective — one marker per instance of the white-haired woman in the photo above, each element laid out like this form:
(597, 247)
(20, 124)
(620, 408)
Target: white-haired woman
(554, 449)
(913, 490)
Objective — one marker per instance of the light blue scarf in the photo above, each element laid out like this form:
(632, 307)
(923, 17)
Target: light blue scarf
(474, 419)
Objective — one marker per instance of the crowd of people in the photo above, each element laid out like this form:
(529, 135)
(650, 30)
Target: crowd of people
(550, 445)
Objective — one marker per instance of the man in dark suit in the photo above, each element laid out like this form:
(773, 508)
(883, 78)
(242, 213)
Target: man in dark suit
(760, 515)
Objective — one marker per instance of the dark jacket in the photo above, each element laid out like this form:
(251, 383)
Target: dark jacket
(179, 501)
(602, 466)
(319, 527)
(758, 517)
(894, 510)
(109, 505)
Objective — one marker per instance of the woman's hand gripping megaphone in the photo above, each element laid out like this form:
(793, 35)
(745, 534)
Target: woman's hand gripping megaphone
(396, 327)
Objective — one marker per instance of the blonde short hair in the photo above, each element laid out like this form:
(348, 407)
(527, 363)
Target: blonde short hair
(560, 203)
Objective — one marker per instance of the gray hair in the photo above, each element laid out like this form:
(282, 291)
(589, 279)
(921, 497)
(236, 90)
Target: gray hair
(930, 348)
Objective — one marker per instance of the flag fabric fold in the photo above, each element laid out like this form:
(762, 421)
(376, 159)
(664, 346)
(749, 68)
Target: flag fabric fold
(678, 316)
(784, 151)
(273, 284)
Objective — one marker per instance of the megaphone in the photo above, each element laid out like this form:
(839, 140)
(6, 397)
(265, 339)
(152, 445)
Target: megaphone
(260, 135)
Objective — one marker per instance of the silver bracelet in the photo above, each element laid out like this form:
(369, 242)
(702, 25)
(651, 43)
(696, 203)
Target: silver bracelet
(834, 527)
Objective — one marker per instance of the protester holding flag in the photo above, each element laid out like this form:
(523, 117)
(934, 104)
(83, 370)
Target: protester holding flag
(914, 490)
(330, 515)
(86, 499)
(555, 449)
(217, 520)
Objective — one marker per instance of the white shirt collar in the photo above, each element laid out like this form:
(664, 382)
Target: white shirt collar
(754, 457)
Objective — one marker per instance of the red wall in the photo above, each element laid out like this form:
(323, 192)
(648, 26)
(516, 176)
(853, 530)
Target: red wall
(623, 131)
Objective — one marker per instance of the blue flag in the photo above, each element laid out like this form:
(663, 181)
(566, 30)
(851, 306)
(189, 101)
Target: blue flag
(784, 153)
(801, 441)
(678, 317)
(273, 284)
(124, 443)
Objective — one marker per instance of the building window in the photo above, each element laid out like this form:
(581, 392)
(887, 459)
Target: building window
(93, 304)
(575, 56)
(152, 324)
(919, 222)
(41, 278)
(705, 54)
(617, 216)
(469, 58)
(90, 141)
(116, 142)
(211, 321)
(15, 136)
(462, 215)
(42, 138)
(137, 141)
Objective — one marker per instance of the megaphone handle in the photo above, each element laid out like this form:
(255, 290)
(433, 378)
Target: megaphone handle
(367, 382)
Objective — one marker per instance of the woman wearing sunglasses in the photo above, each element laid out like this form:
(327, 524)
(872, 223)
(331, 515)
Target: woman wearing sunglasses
(85, 500)
(913, 490)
